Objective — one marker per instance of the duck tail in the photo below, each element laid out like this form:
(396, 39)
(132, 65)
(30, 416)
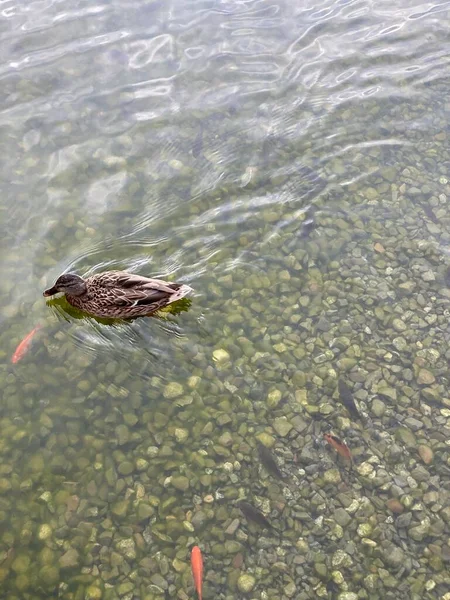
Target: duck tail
(181, 292)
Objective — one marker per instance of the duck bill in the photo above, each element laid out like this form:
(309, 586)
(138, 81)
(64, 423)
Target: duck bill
(50, 292)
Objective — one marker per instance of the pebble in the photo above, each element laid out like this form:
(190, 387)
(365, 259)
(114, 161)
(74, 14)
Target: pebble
(21, 564)
(341, 559)
(173, 390)
(290, 589)
(392, 555)
(120, 508)
(342, 517)
(332, 476)
(378, 407)
(388, 392)
(425, 453)
(180, 482)
(145, 511)
(266, 439)
(395, 506)
(274, 398)
(246, 583)
(181, 435)
(420, 532)
(425, 377)
(123, 434)
(429, 275)
(282, 426)
(232, 527)
(406, 436)
(70, 559)
(45, 532)
(399, 325)
(125, 468)
(221, 356)
(93, 593)
(400, 344)
(127, 548)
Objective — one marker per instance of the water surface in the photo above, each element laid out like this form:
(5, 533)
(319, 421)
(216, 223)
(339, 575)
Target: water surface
(290, 162)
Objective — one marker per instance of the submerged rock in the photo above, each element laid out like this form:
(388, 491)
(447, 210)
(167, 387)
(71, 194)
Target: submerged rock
(246, 583)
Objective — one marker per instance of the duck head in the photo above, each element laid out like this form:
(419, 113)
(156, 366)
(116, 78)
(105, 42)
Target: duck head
(71, 284)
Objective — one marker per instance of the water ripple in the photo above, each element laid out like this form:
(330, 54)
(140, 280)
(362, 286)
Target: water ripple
(159, 136)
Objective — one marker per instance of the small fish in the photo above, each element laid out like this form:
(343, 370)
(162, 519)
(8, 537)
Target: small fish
(267, 459)
(308, 227)
(341, 447)
(346, 397)
(197, 145)
(253, 514)
(197, 569)
(24, 345)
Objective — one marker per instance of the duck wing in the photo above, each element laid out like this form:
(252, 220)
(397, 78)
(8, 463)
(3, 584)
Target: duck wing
(127, 289)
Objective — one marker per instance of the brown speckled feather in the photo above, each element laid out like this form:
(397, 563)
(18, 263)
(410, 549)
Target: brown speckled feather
(122, 295)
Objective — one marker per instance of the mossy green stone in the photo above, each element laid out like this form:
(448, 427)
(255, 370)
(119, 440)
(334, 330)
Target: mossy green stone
(181, 435)
(332, 476)
(122, 434)
(46, 556)
(180, 482)
(22, 582)
(120, 509)
(69, 559)
(36, 463)
(125, 468)
(274, 398)
(5, 485)
(173, 390)
(49, 575)
(145, 511)
(282, 426)
(21, 563)
(246, 582)
(93, 593)
(125, 588)
(266, 439)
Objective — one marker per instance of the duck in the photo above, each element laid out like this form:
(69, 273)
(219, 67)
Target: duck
(117, 294)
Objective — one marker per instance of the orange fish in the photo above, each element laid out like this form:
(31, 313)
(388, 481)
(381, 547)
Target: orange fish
(24, 345)
(197, 569)
(341, 447)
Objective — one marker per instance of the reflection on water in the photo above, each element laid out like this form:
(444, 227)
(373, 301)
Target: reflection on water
(289, 161)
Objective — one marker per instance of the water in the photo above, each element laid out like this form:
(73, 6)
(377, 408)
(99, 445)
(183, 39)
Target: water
(290, 162)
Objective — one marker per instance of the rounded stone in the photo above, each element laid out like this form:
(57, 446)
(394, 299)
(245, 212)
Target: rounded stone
(378, 407)
(425, 377)
(266, 439)
(45, 531)
(399, 325)
(282, 426)
(221, 356)
(181, 435)
(180, 482)
(93, 593)
(246, 583)
(173, 390)
(21, 564)
(125, 468)
(49, 575)
(426, 454)
(274, 398)
(332, 476)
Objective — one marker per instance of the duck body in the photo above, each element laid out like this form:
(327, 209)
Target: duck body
(118, 294)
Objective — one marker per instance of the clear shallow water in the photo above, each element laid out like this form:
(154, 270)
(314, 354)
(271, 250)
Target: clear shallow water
(290, 162)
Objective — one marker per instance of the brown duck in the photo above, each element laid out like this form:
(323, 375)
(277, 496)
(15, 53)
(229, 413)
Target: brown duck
(118, 294)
